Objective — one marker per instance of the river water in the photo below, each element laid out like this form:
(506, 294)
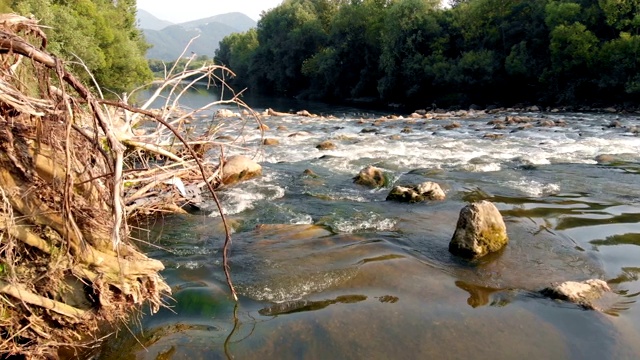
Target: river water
(329, 269)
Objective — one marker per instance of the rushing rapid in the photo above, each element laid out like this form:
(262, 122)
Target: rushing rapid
(327, 268)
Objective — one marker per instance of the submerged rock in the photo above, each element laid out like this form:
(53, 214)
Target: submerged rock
(310, 173)
(480, 230)
(417, 193)
(583, 293)
(372, 177)
(239, 168)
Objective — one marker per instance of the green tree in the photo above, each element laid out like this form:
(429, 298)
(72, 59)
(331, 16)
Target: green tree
(348, 66)
(236, 51)
(410, 34)
(288, 35)
(99, 33)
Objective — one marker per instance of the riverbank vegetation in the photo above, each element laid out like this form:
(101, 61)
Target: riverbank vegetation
(74, 168)
(97, 37)
(415, 52)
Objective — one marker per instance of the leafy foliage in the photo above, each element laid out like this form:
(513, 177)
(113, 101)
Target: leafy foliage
(100, 33)
(416, 52)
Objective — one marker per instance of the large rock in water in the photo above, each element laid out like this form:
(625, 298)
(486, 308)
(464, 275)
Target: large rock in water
(371, 176)
(480, 230)
(239, 168)
(426, 191)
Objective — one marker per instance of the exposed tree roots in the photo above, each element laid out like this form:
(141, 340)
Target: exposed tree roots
(71, 173)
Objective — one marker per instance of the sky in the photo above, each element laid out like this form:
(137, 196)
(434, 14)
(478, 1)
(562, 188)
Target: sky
(186, 10)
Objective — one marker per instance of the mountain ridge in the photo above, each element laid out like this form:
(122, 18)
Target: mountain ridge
(169, 42)
(146, 20)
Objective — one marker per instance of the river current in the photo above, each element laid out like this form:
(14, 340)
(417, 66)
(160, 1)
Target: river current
(328, 269)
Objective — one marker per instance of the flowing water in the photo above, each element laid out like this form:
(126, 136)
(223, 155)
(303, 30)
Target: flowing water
(329, 269)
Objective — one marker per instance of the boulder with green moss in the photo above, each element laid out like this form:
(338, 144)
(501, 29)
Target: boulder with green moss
(480, 230)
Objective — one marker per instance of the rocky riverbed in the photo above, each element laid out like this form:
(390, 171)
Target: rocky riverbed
(329, 268)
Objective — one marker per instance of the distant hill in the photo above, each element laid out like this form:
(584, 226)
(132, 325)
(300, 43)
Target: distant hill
(147, 21)
(235, 20)
(168, 42)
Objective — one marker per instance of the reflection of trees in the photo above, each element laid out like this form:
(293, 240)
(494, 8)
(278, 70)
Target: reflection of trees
(308, 305)
(481, 296)
(619, 239)
(572, 222)
(629, 274)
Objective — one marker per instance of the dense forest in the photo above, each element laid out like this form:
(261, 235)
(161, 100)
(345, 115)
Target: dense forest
(413, 52)
(96, 35)
(416, 52)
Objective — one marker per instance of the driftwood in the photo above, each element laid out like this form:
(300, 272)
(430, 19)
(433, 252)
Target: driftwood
(71, 172)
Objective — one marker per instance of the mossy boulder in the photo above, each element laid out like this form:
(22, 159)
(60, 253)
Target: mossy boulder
(480, 230)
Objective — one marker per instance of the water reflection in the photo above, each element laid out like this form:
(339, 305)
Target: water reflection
(308, 305)
(481, 295)
(618, 239)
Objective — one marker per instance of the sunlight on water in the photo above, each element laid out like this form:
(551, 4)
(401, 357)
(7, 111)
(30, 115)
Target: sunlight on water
(320, 261)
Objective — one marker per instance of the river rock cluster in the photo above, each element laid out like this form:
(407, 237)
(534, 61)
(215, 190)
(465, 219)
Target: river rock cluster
(480, 228)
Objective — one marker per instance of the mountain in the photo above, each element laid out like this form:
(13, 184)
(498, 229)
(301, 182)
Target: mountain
(235, 20)
(169, 42)
(147, 21)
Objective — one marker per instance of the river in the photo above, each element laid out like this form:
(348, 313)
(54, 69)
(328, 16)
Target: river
(329, 269)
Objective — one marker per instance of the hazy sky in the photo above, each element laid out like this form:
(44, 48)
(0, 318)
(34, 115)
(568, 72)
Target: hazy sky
(185, 10)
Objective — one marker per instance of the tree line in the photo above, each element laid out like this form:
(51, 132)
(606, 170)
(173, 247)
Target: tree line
(95, 35)
(570, 52)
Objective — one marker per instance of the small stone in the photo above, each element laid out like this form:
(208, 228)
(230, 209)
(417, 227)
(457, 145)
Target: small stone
(583, 293)
(417, 193)
(453, 125)
(326, 145)
(430, 190)
(270, 141)
(239, 168)
(605, 158)
(371, 176)
(224, 113)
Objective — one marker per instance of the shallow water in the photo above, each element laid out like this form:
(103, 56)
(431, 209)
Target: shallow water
(329, 269)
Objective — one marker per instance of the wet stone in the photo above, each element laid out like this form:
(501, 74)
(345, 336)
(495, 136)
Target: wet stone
(480, 230)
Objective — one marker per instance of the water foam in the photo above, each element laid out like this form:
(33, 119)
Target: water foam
(363, 222)
(239, 199)
(533, 188)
